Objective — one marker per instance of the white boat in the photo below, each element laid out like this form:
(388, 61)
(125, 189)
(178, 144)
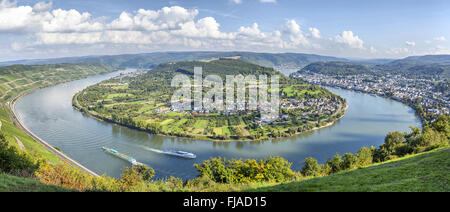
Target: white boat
(180, 154)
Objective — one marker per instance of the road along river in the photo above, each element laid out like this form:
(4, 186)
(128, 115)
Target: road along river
(49, 114)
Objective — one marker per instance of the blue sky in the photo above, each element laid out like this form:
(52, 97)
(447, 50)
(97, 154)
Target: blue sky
(351, 28)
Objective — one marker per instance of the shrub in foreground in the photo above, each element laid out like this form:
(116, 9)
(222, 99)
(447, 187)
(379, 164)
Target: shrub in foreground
(221, 170)
(14, 161)
(132, 178)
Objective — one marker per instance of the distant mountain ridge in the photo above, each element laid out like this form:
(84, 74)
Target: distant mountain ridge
(428, 65)
(438, 65)
(418, 65)
(429, 59)
(150, 60)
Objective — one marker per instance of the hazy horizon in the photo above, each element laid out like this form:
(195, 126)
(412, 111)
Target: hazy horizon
(99, 55)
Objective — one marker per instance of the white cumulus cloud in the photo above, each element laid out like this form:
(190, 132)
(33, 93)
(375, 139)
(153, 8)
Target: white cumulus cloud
(236, 1)
(70, 21)
(349, 39)
(168, 28)
(315, 33)
(441, 38)
(410, 43)
(150, 20)
(14, 18)
(43, 6)
(39, 18)
(295, 34)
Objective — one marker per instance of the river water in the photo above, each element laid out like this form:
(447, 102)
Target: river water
(49, 114)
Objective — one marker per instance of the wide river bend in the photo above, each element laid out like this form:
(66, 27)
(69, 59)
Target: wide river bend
(49, 114)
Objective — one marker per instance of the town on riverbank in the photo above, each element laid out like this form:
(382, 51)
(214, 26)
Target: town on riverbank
(422, 94)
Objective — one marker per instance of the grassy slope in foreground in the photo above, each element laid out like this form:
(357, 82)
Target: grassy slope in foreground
(423, 172)
(21, 184)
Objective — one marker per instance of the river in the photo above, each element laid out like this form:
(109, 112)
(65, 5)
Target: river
(49, 114)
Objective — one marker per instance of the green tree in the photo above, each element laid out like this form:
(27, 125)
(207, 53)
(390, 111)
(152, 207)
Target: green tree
(365, 156)
(134, 176)
(350, 161)
(146, 172)
(130, 178)
(442, 125)
(311, 168)
(336, 163)
(392, 141)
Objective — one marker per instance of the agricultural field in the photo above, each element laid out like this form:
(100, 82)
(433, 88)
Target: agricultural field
(142, 101)
(18, 78)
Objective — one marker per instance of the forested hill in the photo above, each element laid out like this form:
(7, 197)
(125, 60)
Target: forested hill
(336, 68)
(221, 67)
(150, 60)
(285, 59)
(426, 59)
(419, 65)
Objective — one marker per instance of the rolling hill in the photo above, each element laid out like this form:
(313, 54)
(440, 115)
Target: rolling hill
(151, 60)
(418, 65)
(426, 59)
(336, 68)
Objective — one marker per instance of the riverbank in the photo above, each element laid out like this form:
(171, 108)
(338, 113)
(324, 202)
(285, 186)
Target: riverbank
(43, 76)
(333, 122)
(16, 119)
(80, 108)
